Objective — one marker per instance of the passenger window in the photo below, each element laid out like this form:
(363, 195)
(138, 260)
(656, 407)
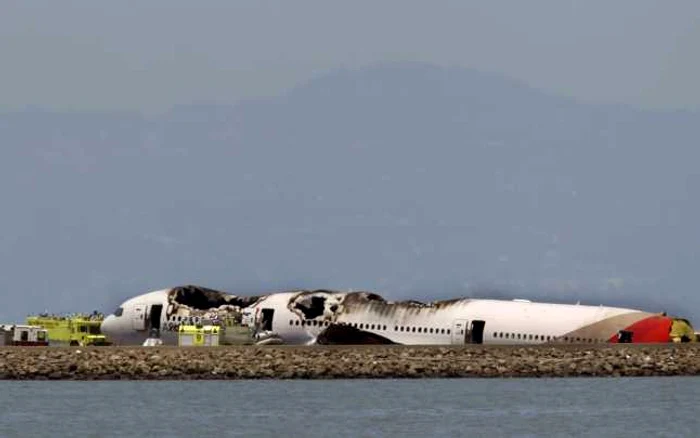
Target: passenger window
(413, 329)
(296, 322)
(291, 322)
(448, 331)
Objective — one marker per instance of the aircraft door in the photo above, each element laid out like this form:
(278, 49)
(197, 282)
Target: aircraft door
(138, 318)
(459, 331)
(154, 316)
(266, 319)
(476, 332)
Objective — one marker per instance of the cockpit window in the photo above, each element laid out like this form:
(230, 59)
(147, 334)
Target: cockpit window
(119, 312)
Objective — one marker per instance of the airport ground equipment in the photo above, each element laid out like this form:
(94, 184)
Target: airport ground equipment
(198, 335)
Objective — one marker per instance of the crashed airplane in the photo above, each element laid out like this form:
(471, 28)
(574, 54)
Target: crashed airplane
(309, 317)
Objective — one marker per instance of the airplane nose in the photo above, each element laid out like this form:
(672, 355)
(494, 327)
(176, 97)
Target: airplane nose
(107, 326)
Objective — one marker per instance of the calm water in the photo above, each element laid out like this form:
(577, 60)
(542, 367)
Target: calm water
(370, 408)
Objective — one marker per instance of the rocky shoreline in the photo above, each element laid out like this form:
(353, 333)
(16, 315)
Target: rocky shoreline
(343, 362)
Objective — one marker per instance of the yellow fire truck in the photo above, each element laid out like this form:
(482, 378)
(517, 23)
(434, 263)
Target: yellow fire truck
(73, 330)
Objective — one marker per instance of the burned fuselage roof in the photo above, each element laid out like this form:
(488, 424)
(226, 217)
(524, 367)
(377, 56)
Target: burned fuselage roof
(335, 317)
(202, 298)
(329, 304)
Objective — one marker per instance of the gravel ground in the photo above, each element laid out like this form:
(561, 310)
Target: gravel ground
(333, 362)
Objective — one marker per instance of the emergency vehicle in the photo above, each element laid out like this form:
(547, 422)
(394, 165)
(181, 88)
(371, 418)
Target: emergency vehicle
(24, 335)
(74, 330)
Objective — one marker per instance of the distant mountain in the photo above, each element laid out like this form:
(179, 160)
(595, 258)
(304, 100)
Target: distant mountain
(407, 179)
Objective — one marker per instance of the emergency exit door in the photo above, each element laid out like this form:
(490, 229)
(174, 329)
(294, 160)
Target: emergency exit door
(266, 319)
(138, 318)
(154, 314)
(476, 332)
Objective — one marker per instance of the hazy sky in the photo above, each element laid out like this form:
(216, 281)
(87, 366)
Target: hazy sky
(151, 54)
(412, 179)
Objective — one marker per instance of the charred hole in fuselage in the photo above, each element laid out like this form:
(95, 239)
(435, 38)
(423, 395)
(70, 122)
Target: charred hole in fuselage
(311, 308)
(202, 298)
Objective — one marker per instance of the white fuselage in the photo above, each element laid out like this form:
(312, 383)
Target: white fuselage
(455, 322)
(504, 322)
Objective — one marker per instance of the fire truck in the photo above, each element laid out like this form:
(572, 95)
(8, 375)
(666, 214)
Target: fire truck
(74, 330)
